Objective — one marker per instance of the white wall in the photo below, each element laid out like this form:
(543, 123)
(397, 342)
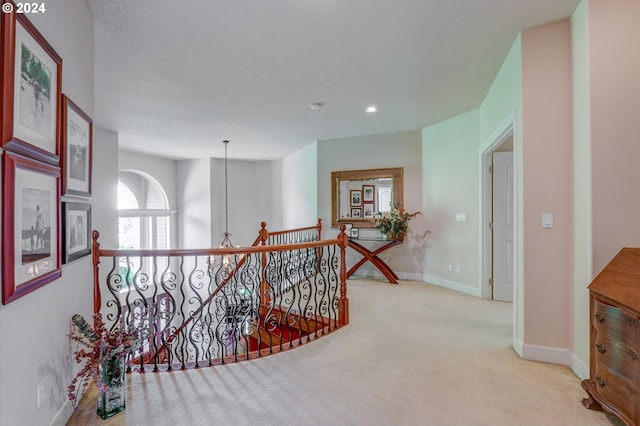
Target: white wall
(33, 329)
(254, 197)
(401, 149)
(194, 203)
(300, 188)
(450, 185)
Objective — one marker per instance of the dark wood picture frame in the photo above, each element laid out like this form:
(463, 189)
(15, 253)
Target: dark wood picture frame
(31, 104)
(355, 197)
(77, 150)
(31, 225)
(368, 210)
(368, 193)
(76, 231)
(356, 212)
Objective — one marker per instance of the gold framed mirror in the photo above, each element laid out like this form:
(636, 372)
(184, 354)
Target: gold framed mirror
(357, 195)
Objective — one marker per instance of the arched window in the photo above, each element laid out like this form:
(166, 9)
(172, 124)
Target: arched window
(144, 214)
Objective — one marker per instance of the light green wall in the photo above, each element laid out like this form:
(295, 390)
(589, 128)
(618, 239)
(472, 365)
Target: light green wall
(450, 186)
(582, 236)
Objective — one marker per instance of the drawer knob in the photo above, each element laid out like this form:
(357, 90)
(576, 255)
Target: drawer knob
(599, 317)
(600, 382)
(632, 355)
(631, 390)
(632, 321)
(601, 348)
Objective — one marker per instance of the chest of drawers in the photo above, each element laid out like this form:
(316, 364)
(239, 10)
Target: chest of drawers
(614, 295)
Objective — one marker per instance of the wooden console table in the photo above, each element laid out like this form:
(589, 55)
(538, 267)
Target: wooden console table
(372, 256)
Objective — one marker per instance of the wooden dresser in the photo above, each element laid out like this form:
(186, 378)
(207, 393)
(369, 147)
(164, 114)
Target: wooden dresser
(614, 383)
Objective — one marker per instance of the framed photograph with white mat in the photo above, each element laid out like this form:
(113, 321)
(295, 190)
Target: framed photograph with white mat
(31, 225)
(31, 77)
(76, 228)
(77, 146)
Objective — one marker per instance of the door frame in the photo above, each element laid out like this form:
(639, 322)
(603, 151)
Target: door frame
(487, 207)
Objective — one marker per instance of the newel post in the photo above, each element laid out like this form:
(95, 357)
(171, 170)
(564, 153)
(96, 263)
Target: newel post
(95, 256)
(343, 302)
(264, 288)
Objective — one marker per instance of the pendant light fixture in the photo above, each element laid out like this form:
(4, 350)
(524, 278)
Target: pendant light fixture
(226, 240)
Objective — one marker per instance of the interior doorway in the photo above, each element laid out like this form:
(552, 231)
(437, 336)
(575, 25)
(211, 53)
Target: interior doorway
(498, 219)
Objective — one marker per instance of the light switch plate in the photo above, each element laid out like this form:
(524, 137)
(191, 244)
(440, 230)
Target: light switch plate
(461, 217)
(547, 220)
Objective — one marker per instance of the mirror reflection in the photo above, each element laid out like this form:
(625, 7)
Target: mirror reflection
(357, 195)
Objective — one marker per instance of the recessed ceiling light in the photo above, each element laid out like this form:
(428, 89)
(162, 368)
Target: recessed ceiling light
(371, 109)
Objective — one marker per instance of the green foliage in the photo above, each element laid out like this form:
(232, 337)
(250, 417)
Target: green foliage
(394, 222)
(34, 71)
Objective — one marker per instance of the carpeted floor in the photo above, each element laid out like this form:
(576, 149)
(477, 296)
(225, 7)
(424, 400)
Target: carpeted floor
(413, 354)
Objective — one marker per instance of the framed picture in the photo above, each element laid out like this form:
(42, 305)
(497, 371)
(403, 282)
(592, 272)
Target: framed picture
(356, 212)
(31, 77)
(368, 193)
(367, 210)
(76, 228)
(31, 226)
(77, 146)
(347, 228)
(355, 232)
(356, 197)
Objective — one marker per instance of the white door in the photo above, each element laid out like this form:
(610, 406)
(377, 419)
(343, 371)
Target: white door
(503, 226)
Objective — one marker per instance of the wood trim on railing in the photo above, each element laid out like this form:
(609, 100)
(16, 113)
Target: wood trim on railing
(317, 226)
(95, 255)
(343, 302)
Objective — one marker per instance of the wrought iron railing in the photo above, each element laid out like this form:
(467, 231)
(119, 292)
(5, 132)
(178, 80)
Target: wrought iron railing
(211, 306)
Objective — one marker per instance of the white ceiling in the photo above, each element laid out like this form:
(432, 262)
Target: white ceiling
(176, 77)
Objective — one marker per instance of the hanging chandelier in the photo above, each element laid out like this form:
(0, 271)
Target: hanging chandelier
(226, 240)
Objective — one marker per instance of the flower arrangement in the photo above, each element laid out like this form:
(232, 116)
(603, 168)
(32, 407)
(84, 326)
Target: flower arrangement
(100, 347)
(393, 223)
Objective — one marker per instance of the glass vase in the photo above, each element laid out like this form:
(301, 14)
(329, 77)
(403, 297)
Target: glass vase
(111, 398)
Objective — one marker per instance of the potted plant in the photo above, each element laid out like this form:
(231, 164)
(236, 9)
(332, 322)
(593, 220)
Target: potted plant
(393, 224)
(103, 354)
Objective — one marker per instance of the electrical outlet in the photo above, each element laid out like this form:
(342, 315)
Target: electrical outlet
(450, 267)
(457, 269)
(41, 393)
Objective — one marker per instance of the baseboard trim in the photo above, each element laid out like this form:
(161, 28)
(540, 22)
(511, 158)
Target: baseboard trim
(547, 354)
(63, 415)
(517, 346)
(580, 368)
(452, 285)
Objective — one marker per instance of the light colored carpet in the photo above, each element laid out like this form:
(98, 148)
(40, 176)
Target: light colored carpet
(413, 354)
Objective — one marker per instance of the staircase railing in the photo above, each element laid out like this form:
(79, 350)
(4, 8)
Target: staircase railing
(211, 306)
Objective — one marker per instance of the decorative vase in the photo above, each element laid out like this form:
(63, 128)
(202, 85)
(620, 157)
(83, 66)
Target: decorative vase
(111, 396)
(396, 235)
